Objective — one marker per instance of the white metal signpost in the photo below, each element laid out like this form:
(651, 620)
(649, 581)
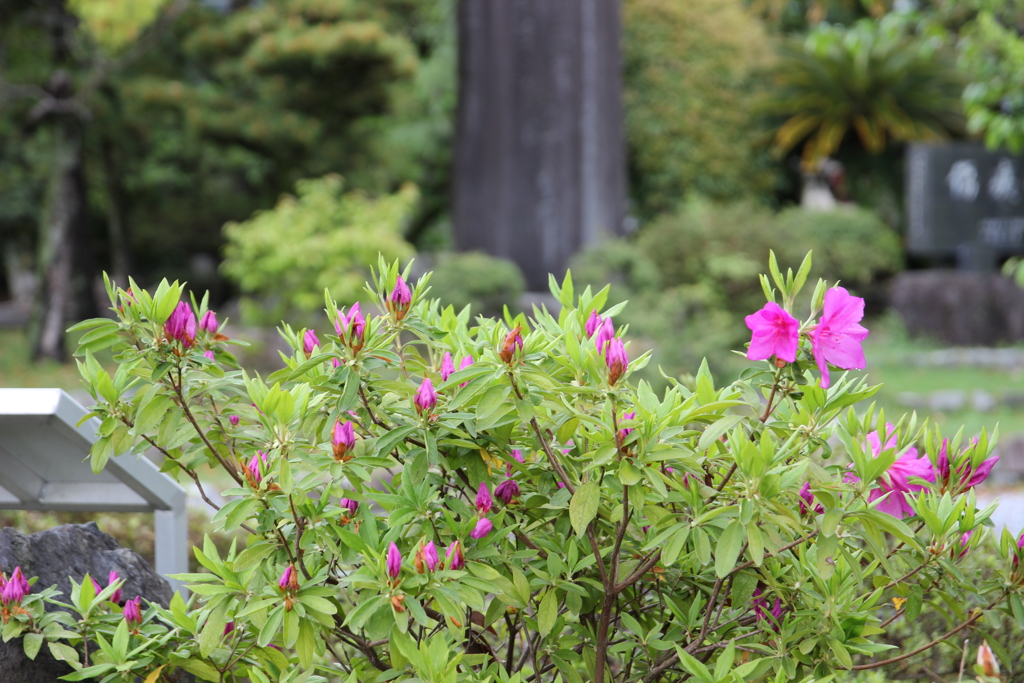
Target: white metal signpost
(44, 465)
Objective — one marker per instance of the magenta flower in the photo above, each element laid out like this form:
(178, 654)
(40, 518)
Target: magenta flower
(966, 474)
(483, 499)
(482, 528)
(113, 578)
(896, 480)
(760, 605)
(399, 300)
(616, 359)
(289, 581)
(507, 491)
(353, 325)
(208, 354)
(463, 364)
(430, 557)
(1020, 547)
(343, 439)
(309, 342)
(959, 552)
(209, 322)
(454, 556)
(182, 325)
(605, 333)
(234, 420)
(426, 397)
(836, 339)
(394, 562)
(775, 333)
(447, 367)
(229, 627)
(132, 611)
(95, 586)
(625, 431)
(349, 504)
(518, 455)
(593, 323)
(807, 500)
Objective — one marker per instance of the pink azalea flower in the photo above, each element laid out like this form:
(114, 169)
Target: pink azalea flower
(837, 338)
(507, 491)
(807, 500)
(896, 480)
(605, 333)
(111, 579)
(309, 342)
(775, 333)
(132, 611)
(593, 323)
(430, 556)
(209, 322)
(399, 299)
(463, 364)
(760, 605)
(343, 439)
(625, 431)
(616, 359)
(181, 325)
(454, 555)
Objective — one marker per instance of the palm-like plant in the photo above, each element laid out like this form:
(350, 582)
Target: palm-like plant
(875, 77)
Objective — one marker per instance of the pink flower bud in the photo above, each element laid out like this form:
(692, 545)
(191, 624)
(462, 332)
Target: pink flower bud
(208, 354)
(234, 420)
(351, 327)
(181, 325)
(482, 528)
(309, 342)
(447, 367)
(394, 561)
(518, 455)
(454, 556)
(605, 333)
(426, 397)
(513, 342)
(95, 586)
(399, 300)
(133, 611)
(349, 504)
(229, 627)
(16, 588)
(209, 322)
(113, 578)
(344, 440)
(507, 491)
(594, 322)
(807, 500)
(483, 499)
(616, 359)
(463, 364)
(254, 469)
(288, 581)
(430, 556)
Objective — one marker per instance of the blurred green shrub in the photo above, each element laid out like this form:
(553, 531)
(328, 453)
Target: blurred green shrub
(283, 258)
(483, 282)
(691, 91)
(693, 273)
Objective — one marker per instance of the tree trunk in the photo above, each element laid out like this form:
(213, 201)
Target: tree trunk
(64, 248)
(540, 160)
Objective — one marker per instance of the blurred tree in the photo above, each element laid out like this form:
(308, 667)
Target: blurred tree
(58, 81)
(691, 89)
(875, 78)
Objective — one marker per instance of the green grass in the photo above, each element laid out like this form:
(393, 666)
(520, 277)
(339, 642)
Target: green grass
(17, 372)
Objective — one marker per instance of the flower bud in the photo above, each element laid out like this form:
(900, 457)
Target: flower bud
(454, 556)
(309, 342)
(208, 354)
(482, 528)
(518, 455)
(507, 491)
(463, 364)
(605, 333)
(209, 322)
(399, 300)
(234, 420)
(394, 561)
(343, 441)
(426, 397)
(483, 499)
(16, 588)
(181, 325)
(113, 578)
(987, 661)
(430, 556)
(593, 323)
(513, 342)
(447, 367)
(616, 359)
(229, 627)
(133, 611)
(351, 505)
(351, 327)
(253, 468)
(625, 431)
(289, 581)
(807, 500)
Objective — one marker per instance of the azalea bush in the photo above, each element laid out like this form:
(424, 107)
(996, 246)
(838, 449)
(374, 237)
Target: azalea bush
(430, 498)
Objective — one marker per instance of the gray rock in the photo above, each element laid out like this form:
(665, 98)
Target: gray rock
(947, 401)
(53, 555)
(983, 402)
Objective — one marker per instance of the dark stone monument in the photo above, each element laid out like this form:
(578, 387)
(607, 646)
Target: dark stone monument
(966, 201)
(540, 166)
(55, 554)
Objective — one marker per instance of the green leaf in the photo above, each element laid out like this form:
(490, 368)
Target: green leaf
(547, 613)
(729, 544)
(213, 629)
(32, 643)
(584, 505)
(629, 474)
